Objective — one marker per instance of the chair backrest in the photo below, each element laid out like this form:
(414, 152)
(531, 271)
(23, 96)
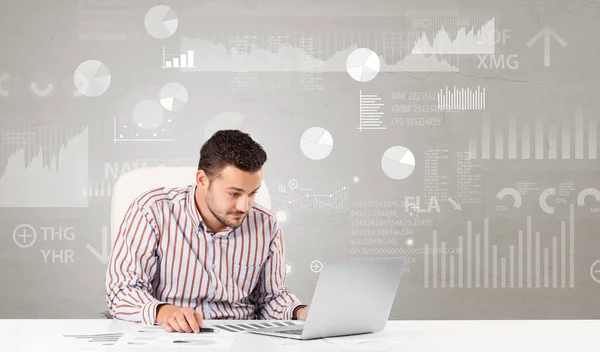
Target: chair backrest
(132, 184)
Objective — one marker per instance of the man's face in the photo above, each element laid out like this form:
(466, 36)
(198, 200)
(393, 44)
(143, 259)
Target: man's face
(231, 194)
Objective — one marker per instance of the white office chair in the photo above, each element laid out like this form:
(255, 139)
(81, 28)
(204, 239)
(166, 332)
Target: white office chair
(132, 184)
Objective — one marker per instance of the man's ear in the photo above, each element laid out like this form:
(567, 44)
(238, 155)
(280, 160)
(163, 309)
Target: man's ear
(202, 179)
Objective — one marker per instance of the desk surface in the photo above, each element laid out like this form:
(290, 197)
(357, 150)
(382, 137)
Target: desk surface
(405, 336)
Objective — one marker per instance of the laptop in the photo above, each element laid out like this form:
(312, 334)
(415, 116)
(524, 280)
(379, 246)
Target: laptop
(351, 297)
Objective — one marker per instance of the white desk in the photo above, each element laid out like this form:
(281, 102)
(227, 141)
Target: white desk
(405, 336)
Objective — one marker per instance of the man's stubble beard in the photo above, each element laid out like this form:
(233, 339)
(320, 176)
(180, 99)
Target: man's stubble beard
(210, 204)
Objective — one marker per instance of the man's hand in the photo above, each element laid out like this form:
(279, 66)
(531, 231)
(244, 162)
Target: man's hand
(301, 313)
(180, 319)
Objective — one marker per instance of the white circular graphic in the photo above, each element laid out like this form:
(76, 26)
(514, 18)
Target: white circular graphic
(148, 114)
(595, 271)
(398, 162)
(363, 65)
(24, 236)
(161, 22)
(173, 96)
(41, 84)
(5, 77)
(316, 143)
(92, 78)
(281, 216)
(69, 87)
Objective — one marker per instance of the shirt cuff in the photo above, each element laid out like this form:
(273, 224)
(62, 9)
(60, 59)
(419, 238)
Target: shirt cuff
(293, 308)
(149, 312)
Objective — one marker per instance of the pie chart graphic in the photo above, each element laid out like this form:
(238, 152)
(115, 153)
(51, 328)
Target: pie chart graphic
(363, 64)
(398, 162)
(161, 22)
(316, 143)
(173, 96)
(91, 78)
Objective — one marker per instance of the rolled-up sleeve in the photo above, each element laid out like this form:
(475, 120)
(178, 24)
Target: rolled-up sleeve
(271, 294)
(132, 268)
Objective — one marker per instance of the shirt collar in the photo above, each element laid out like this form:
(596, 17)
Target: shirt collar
(193, 210)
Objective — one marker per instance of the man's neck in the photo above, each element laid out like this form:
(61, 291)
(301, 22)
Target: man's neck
(211, 222)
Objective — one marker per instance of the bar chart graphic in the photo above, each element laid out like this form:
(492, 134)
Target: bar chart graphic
(370, 112)
(99, 188)
(528, 265)
(175, 58)
(461, 99)
(539, 140)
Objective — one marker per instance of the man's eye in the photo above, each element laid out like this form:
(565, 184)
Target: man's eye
(233, 194)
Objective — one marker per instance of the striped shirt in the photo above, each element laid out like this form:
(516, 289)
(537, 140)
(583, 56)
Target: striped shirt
(165, 253)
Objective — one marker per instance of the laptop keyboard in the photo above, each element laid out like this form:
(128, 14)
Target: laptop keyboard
(291, 332)
(258, 324)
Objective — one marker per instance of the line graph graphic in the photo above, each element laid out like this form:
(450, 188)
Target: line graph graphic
(147, 113)
(289, 45)
(528, 264)
(252, 58)
(435, 35)
(310, 196)
(132, 135)
(43, 166)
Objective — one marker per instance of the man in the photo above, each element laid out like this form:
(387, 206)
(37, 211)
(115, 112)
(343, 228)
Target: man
(204, 251)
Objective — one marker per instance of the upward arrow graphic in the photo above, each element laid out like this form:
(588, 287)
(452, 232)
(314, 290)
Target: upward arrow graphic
(546, 32)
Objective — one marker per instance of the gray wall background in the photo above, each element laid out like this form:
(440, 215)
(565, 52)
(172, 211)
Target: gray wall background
(59, 276)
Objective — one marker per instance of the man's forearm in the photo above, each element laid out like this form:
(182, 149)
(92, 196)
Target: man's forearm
(133, 304)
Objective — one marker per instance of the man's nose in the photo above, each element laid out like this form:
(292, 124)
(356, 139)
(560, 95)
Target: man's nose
(243, 204)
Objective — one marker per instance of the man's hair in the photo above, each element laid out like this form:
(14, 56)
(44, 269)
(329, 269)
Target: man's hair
(230, 147)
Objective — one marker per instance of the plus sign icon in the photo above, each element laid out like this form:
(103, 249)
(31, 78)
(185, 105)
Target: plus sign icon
(316, 266)
(24, 236)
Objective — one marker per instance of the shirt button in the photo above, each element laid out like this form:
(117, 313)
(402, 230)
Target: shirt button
(213, 266)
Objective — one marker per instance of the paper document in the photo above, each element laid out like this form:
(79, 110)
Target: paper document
(156, 336)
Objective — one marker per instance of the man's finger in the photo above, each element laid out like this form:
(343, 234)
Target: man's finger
(199, 318)
(191, 319)
(167, 327)
(183, 323)
(175, 325)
